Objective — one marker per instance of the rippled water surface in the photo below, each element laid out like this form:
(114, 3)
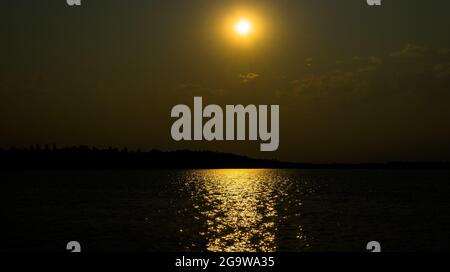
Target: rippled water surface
(227, 210)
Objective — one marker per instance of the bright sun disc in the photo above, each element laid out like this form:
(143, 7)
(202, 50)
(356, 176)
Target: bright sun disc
(243, 27)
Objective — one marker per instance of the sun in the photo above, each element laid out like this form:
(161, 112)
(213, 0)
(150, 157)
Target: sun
(243, 27)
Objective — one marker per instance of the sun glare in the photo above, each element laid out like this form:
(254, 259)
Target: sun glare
(243, 27)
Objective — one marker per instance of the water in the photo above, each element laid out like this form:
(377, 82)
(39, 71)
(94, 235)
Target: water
(226, 210)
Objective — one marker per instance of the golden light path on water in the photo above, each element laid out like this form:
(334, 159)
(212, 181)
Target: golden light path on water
(239, 208)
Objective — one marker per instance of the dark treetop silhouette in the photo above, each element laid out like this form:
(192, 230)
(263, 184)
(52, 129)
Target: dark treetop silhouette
(84, 158)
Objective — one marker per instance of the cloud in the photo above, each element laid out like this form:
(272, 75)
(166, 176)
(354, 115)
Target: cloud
(375, 77)
(365, 64)
(248, 77)
(410, 51)
(325, 85)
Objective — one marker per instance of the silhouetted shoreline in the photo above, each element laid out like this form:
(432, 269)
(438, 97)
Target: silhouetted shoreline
(87, 158)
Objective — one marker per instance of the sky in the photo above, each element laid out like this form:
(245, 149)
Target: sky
(354, 83)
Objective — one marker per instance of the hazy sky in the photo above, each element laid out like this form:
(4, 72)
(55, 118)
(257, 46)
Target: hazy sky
(354, 83)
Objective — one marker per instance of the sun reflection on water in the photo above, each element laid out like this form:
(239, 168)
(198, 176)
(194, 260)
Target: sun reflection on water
(239, 208)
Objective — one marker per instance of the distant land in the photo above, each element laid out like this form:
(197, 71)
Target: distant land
(47, 158)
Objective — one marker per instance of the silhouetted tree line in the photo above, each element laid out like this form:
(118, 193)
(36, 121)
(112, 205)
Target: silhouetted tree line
(84, 158)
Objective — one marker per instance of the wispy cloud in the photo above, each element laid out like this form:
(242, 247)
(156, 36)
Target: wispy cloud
(410, 51)
(245, 78)
(369, 76)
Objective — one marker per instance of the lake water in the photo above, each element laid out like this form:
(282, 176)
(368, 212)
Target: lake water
(226, 210)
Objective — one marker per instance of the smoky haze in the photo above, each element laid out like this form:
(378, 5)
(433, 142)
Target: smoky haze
(354, 83)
